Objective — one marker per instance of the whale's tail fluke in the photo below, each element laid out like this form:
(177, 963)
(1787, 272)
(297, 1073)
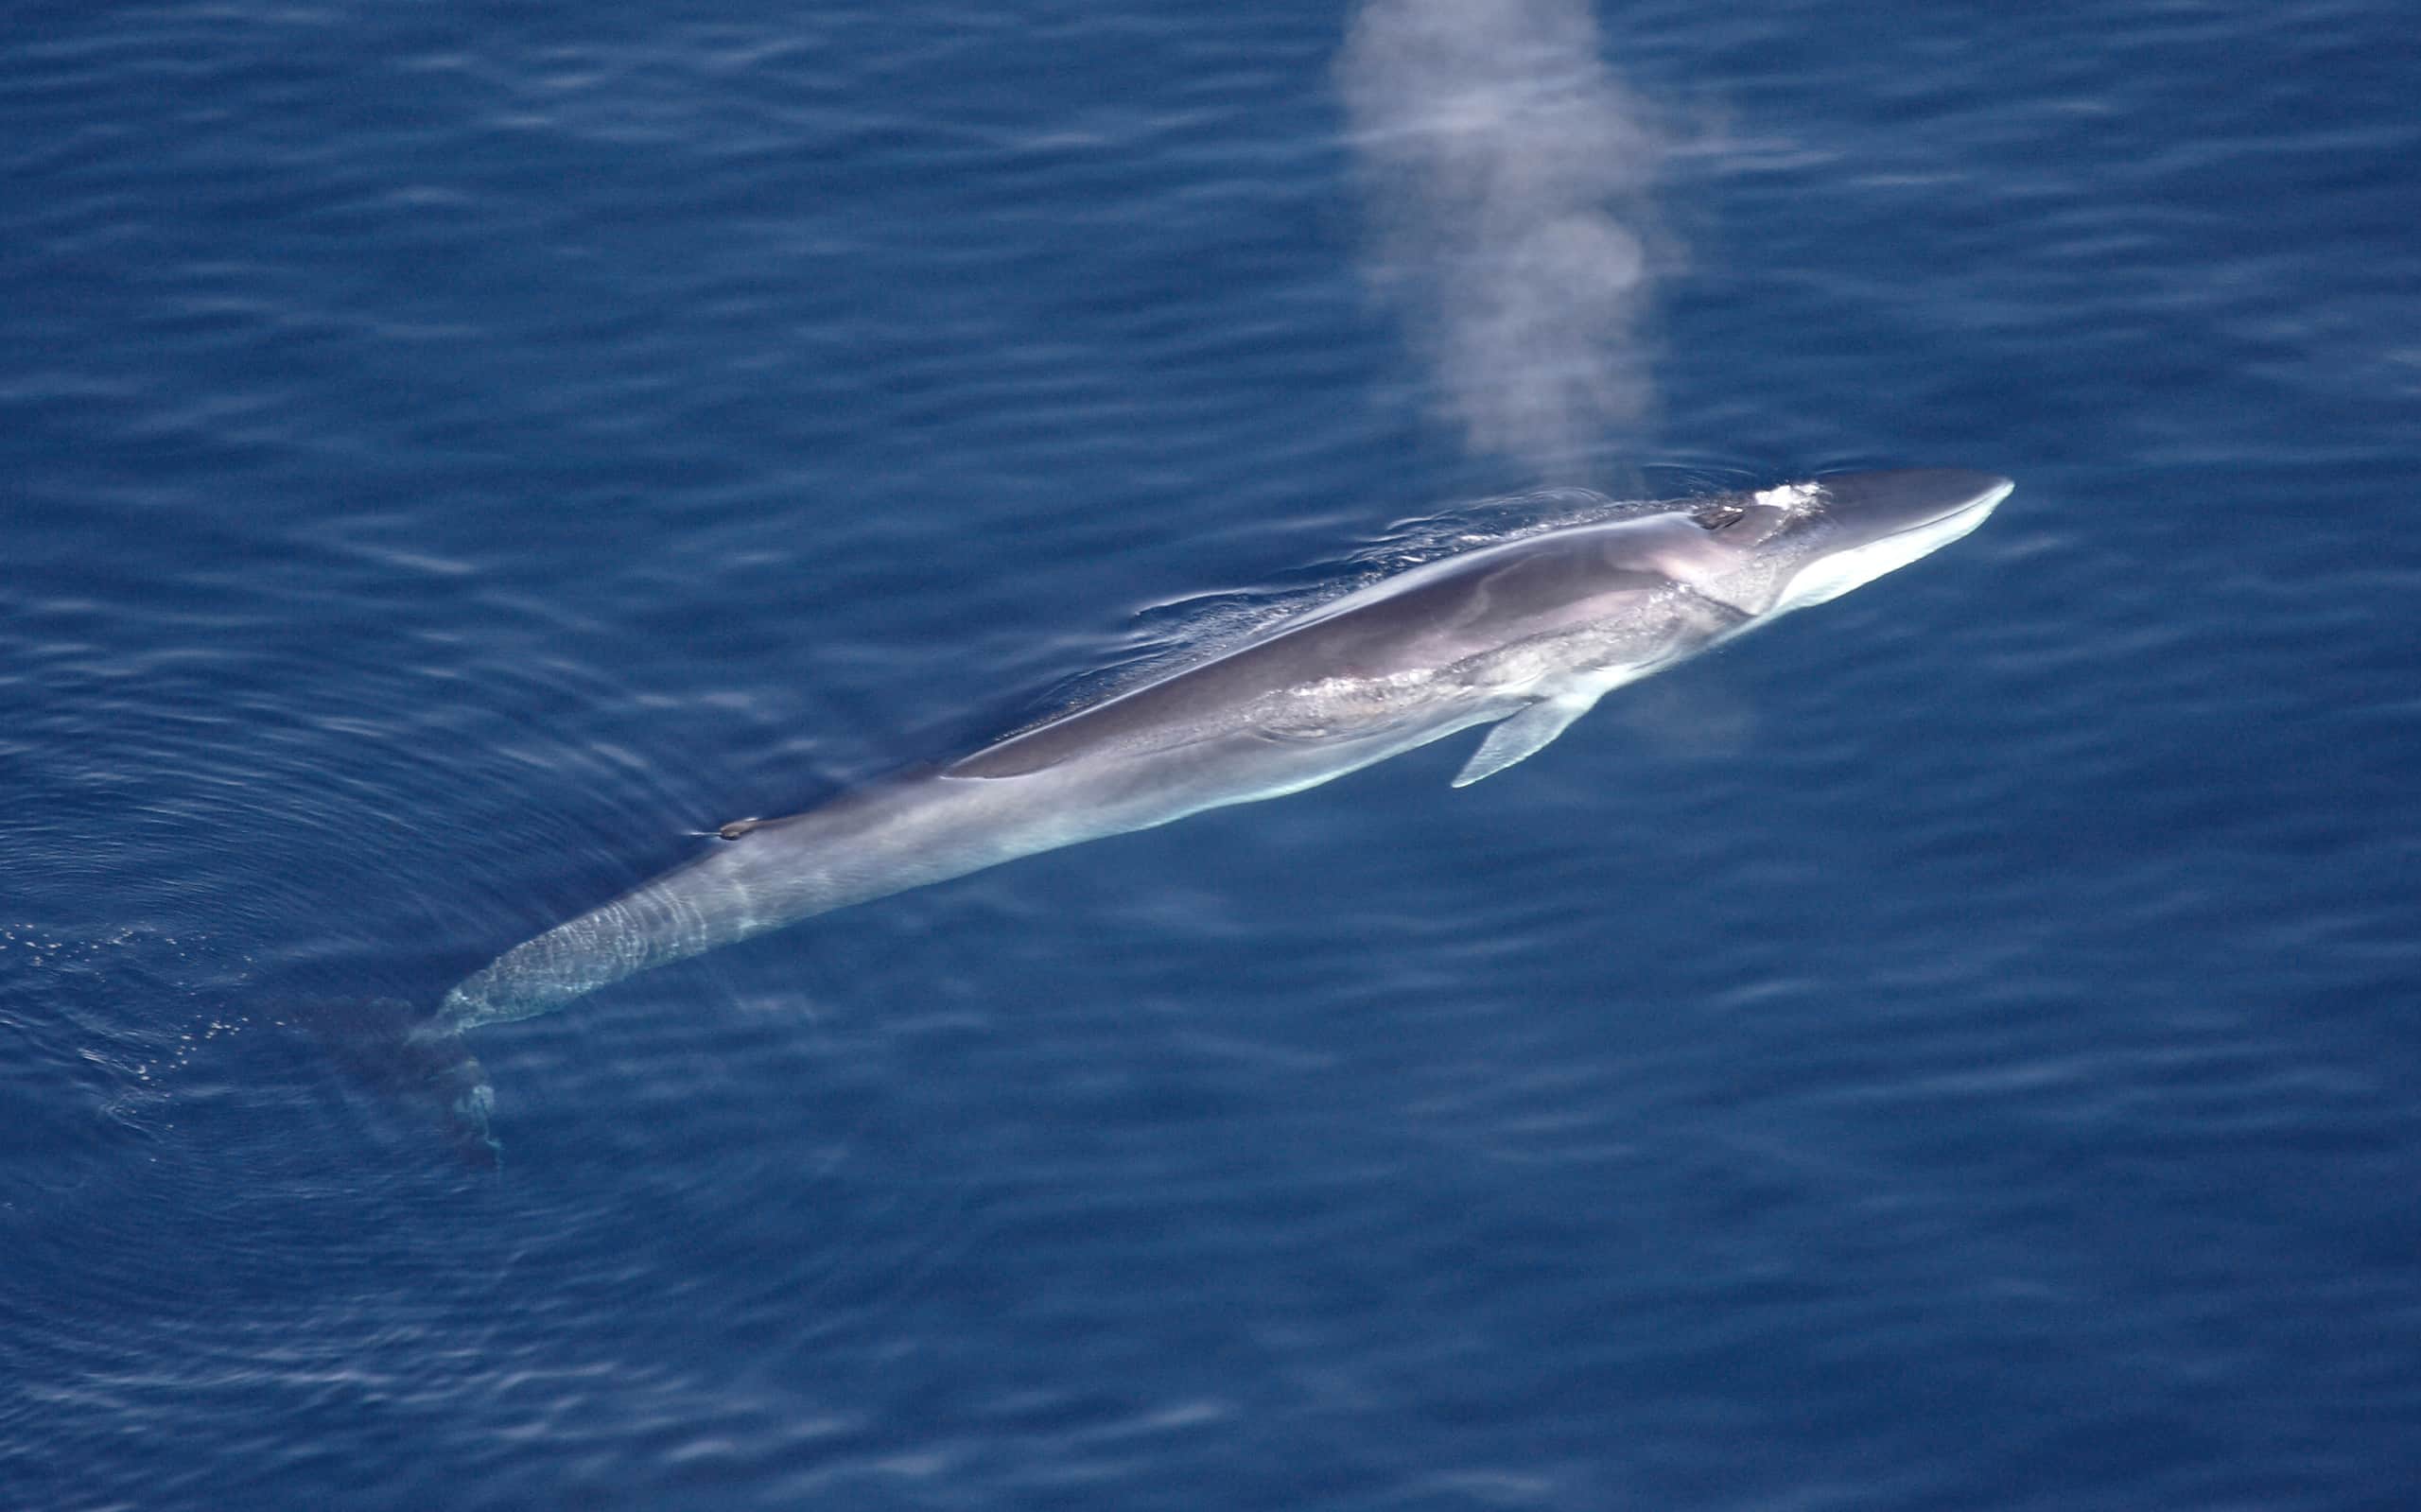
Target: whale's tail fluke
(412, 1058)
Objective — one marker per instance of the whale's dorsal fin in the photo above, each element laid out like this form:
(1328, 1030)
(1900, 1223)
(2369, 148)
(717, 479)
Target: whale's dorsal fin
(1524, 734)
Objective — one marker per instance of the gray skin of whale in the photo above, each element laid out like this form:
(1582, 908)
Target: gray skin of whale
(1523, 636)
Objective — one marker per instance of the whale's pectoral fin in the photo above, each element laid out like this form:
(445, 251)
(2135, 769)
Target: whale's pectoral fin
(1524, 734)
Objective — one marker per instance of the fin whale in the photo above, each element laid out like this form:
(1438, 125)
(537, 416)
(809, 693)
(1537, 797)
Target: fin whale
(1523, 636)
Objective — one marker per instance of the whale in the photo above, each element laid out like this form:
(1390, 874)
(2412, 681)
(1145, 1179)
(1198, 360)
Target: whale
(1521, 637)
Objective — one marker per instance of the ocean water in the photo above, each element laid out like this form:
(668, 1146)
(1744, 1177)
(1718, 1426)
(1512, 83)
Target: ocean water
(1958, 1049)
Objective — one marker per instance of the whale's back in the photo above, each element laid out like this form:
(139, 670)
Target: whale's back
(1405, 628)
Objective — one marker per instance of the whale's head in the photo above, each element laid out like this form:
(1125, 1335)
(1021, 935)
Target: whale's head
(1802, 543)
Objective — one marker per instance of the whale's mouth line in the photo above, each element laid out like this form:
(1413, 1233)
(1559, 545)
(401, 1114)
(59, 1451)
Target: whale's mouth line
(1832, 574)
(1976, 508)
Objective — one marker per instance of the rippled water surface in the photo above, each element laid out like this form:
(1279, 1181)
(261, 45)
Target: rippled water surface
(1955, 1049)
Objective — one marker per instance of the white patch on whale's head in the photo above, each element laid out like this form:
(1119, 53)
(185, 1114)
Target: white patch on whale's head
(1790, 499)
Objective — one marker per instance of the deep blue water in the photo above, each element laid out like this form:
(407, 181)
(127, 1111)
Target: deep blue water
(1958, 1049)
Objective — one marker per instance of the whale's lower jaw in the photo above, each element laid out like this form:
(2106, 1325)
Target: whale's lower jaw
(1828, 579)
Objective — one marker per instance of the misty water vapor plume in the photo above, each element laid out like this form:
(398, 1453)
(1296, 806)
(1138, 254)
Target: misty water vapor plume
(1506, 170)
